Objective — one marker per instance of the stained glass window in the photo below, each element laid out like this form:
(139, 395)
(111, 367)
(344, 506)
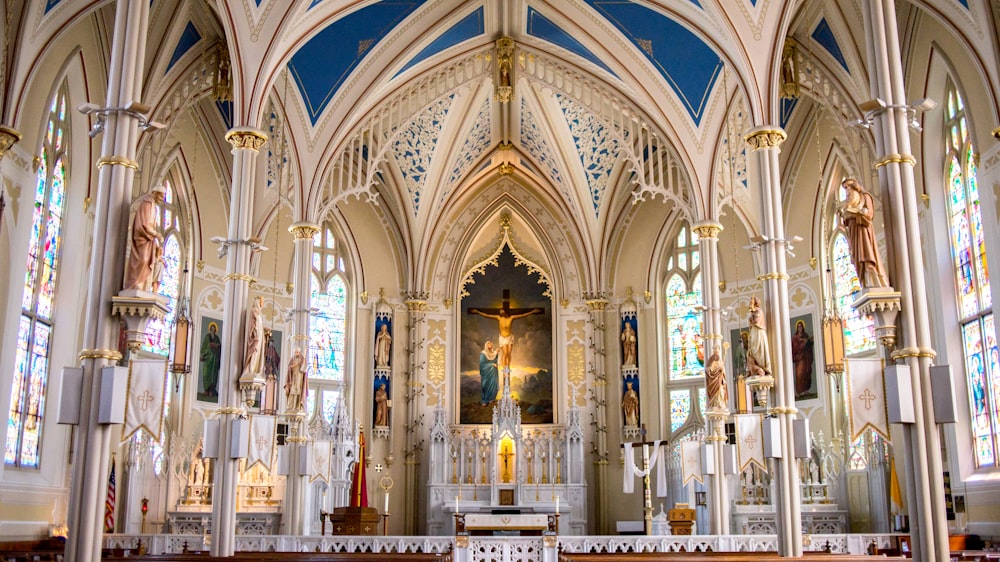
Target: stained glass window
(158, 331)
(34, 334)
(684, 315)
(680, 408)
(859, 329)
(327, 326)
(972, 282)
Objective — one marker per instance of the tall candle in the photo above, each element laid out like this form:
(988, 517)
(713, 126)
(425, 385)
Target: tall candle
(557, 505)
(387, 501)
(456, 504)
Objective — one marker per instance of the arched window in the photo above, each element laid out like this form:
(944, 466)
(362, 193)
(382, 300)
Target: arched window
(158, 331)
(683, 298)
(975, 302)
(34, 334)
(859, 329)
(328, 324)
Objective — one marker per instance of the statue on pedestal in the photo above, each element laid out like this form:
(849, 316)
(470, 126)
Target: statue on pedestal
(715, 383)
(758, 349)
(253, 360)
(857, 212)
(296, 383)
(146, 242)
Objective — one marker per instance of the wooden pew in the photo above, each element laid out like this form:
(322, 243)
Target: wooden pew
(42, 550)
(288, 557)
(715, 557)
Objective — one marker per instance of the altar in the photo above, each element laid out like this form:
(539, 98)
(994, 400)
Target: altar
(505, 478)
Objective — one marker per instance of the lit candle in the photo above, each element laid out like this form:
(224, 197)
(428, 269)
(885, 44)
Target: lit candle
(557, 505)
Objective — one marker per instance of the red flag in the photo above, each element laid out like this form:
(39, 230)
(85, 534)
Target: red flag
(359, 483)
(109, 503)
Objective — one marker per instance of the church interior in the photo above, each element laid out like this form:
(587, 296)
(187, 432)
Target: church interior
(453, 270)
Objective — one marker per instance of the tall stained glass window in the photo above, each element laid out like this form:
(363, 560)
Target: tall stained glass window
(972, 281)
(34, 332)
(327, 325)
(859, 329)
(158, 331)
(684, 315)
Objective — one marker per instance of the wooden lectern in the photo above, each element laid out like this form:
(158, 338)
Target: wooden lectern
(354, 521)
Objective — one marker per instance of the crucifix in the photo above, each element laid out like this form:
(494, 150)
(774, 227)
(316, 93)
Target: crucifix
(506, 454)
(647, 500)
(505, 316)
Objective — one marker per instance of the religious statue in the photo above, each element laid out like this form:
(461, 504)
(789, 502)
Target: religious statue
(296, 384)
(381, 406)
(628, 345)
(145, 245)
(383, 347)
(489, 379)
(802, 359)
(857, 212)
(758, 349)
(272, 360)
(211, 360)
(715, 383)
(253, 360)
(197, 472)
(630, 406)
(159, 262)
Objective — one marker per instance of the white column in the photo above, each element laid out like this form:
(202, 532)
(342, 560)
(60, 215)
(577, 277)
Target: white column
(597, 304)
(116, 173)
(246, 143)
(895, 163)
(708, 242)
(764, 142)
(296, 522)
(416, 306)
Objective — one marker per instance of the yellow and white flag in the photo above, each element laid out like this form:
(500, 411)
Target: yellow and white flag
(749, 441)
(319, 461)
(866, 397)
(691, 461)
(261, 441)
(147, 382)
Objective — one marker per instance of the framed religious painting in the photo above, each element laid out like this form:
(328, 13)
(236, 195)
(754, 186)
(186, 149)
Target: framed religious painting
(209, 360)
(506, 336)
(804, 357)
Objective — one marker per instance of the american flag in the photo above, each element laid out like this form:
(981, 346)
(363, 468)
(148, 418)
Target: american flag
(109, 503)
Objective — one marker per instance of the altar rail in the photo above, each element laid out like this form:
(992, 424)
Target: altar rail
(505, 549)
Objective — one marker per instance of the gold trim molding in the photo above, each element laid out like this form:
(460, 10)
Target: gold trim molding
(8, 138)
(708, 229)
(251, 139)
(996, 133)
(109, 354)
(116, 161)
(772, 275)
(303, 230)
(239, 277)
(896, 159)
(765, 138)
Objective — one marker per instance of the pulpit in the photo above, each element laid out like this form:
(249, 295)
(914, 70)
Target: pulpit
(681, 519)
(354, 521)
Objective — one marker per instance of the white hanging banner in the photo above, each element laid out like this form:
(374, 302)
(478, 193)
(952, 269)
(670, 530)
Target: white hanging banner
(261, 441)
(866, 397)
(147, 383)
(749, 441)
(691, 461)
(319, 461)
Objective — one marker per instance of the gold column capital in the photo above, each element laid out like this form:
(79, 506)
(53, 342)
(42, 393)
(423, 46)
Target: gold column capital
(246, 137)
(996, 133)
(8, 138)
(708, 229)
(117, 161)
(765, 137)
(303, 230)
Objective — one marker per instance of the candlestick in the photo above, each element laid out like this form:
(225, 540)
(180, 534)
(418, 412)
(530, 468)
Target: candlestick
(387, 501)
(456, 504)
(557, 505)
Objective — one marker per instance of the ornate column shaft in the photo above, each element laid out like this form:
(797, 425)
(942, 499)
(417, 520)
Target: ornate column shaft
(416, 306)
(246, 143)
(764, 143)
(295, 517)
(116, 172)
(708, 244)
(597, 304)
(925, 490)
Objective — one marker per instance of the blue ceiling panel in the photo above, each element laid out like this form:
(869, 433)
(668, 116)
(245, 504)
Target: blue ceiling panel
(322, 65)
(49, 4)
(787, 107)
(471, 26)
(688, 64)
(189, 37)
(226, 110)
(543, 28)
(824, 36)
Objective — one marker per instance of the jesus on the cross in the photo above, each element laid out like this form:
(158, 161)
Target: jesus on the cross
(505, 317)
